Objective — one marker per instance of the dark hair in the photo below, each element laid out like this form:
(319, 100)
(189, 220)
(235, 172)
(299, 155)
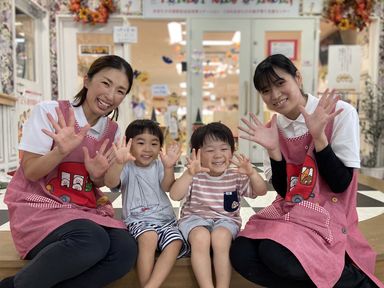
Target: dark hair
(141, 126)
(265, 74)
(108, 61)
(214, 130)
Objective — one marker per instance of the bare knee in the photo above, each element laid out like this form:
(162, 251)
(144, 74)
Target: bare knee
(200, 238)
(147, 241)
(221, 239)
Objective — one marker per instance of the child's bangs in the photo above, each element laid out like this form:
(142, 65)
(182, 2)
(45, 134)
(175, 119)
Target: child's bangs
(215, 137)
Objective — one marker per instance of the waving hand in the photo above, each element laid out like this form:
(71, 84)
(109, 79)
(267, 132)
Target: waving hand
(122, 151)
(65, 137)
(194, 163)
(264, 135)
(97, 165)
(171, 156)
(324, 112)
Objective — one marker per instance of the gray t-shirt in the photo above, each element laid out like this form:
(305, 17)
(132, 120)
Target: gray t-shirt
(143, 197)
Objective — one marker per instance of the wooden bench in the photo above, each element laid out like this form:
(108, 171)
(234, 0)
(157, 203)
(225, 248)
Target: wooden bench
(182, 274)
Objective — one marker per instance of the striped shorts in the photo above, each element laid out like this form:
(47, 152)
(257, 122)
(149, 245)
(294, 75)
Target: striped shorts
(166, 234)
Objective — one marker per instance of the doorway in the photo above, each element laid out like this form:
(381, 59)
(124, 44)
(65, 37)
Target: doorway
(222, 57)
(219, 73)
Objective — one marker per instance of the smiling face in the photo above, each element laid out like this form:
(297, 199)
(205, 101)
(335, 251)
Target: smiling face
(106, 90)
(283, 94)
(145, 148)
(215, 155)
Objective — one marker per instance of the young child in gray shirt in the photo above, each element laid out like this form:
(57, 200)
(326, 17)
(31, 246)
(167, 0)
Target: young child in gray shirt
(147, 210)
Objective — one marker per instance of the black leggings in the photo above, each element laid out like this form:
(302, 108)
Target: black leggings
(78, 254)
(270, 264)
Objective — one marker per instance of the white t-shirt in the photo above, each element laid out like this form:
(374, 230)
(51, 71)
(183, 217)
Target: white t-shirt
(345, 140)
(35, 141)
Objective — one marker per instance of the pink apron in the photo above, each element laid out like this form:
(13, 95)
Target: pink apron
(37, 208)
(317, 225)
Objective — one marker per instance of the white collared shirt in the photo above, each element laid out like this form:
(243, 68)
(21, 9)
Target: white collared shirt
(345, 140)
(35, 141)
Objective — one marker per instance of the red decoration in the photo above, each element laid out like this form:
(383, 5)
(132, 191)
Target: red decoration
(350, 14)
(84, 14)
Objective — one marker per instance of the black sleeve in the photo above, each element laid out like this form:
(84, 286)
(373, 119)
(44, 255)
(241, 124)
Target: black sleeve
(334, 172)
(279, 176)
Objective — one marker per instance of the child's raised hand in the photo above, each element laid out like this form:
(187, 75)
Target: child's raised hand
(98, 165)
(194, 163)
(171, 156)
(264, 135)
(244, 166)
(122, 151)
(65, 137)
(324, 112)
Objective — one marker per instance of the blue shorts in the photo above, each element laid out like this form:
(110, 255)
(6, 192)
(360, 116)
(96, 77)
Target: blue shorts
(194, 221)
(166, 234)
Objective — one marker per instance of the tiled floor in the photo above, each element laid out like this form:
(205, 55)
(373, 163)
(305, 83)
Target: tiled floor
(370, 203)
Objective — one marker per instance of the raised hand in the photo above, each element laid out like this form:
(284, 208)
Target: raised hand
(122, 151)
(324, 112)
(264, 135)
(171, 156)
(244, 166)
(98, 165)
(194, 163)
(65, 137)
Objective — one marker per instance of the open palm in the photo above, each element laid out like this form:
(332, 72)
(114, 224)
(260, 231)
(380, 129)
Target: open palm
(264, 135)
(324, 112)
(194, 163)
(65, 138)
(122, 151)
(171, 156)
(98, 165)
(244, 166)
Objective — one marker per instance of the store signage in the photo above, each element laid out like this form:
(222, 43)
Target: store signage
(160, 90)
(344, 63)
(125, 34)
(221, 8)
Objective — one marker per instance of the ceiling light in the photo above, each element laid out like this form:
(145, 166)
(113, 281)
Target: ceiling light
(216, 43)
(236, 37)
(174, 30)
(211, 43)
(183, 85)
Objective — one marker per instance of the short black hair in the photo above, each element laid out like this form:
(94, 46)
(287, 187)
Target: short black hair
(214, 130)
(265, 74)
(140, 126)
